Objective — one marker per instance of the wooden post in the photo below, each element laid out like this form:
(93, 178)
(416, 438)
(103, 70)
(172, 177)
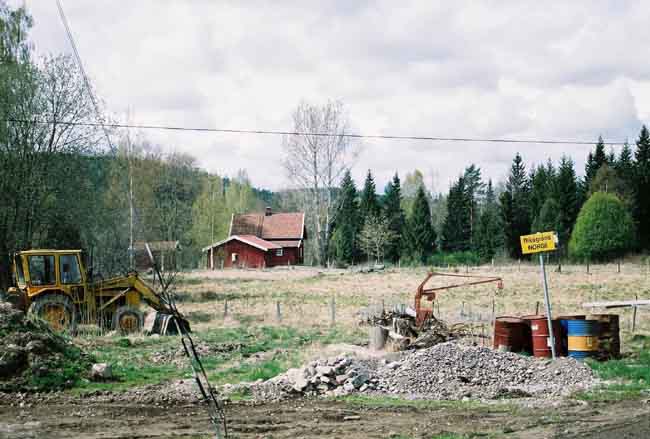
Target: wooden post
(492, 263)
(278, 312)
(462, 309)
(377, 337)
(587, 267)
(537, 308)
(618, 266)
(333, 311)
(225, 308)
(519, 265)
(467, 268)
(493, 311)
(634, 308)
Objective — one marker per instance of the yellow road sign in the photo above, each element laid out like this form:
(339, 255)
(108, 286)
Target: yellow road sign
(538, 242)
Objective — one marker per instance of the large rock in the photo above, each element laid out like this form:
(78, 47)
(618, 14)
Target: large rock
(12, 360)
(101, 372)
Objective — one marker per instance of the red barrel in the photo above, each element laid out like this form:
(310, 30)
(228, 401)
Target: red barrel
(540, 335)
(512, 334)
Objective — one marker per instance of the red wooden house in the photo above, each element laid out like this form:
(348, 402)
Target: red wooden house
(259, 240)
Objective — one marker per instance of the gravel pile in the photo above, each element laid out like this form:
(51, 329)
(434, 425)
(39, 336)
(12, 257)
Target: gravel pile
(448, 371)
(176, 354)
(454, 371)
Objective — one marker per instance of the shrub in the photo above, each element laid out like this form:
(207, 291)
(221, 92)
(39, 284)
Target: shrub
(604, 229)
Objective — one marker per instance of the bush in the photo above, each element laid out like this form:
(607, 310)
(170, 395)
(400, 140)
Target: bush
(604, 229)
(454, 258)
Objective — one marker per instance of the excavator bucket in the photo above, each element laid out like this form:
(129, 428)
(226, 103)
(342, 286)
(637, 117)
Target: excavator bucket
(165, 324)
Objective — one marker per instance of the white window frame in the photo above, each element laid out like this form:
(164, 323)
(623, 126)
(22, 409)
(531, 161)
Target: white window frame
(279, 252)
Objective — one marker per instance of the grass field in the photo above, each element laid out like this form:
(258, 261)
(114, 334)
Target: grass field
(251, 343)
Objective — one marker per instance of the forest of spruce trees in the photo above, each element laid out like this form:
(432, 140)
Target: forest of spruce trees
(603, 215)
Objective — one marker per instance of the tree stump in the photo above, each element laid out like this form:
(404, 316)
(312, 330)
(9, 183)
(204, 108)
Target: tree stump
(377, 337)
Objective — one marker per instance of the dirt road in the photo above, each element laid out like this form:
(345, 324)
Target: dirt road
(319, 418)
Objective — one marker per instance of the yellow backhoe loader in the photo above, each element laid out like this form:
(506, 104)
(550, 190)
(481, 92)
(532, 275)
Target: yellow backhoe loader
(54, 285)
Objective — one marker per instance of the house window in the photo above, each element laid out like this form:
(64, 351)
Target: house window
(278, 252)
(233, 257)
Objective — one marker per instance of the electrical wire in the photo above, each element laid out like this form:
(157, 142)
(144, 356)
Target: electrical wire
(89, 89)
(320, 134)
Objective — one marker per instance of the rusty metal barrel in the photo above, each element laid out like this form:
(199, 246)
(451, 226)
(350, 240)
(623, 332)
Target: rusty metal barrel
(609, 339)
(582, 338)
(512, 334)
(541, 337)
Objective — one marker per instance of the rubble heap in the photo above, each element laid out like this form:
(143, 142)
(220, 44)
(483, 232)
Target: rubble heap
(33, 358)
(447, 371)
(334, 376)
(455, 371)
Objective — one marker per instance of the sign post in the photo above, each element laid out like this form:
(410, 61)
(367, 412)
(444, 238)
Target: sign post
(541, 243)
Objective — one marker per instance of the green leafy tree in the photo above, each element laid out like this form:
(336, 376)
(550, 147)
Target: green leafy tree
(376, 237)
(604, 229)
(395, 216)
(548, 219)
(515, 214)
(642, 187)
(346, 223)
(421, 237)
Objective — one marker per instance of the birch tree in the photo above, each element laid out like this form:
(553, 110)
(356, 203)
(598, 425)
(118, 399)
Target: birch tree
(316, 157)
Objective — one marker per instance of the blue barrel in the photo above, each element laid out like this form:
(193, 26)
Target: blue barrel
(582, 338)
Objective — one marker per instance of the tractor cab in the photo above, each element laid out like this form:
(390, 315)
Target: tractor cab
(49, 283)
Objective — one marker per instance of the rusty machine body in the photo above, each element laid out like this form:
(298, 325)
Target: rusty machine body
(422, 314)
(55, 286)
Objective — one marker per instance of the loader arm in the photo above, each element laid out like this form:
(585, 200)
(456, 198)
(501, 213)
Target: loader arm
(132, 282)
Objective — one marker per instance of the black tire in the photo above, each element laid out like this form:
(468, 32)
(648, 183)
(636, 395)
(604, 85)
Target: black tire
(57, 310)
(128, 320)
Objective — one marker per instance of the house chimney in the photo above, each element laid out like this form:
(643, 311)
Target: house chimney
(269, 212)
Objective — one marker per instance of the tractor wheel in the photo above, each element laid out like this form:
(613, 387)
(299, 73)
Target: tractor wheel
(127, 320)
(57, 310)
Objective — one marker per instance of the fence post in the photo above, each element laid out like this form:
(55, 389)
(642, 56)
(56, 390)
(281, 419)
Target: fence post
(634, 308)
(333, 311)
(278, 312)
(519, 265)
(618, 267)
(587, 267)
(537, 308)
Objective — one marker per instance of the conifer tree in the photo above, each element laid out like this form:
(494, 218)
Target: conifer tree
(474, 192)
(395, 217)
(369, 205)
(566, 194)
(346, 222)
(514, 207)
(488, 235)
(642, 187)
(421, 236)
(594, 161)
(456, 231)
(541, 184)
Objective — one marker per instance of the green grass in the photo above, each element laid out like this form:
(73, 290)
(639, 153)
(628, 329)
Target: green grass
(131, 358)
(630, 376)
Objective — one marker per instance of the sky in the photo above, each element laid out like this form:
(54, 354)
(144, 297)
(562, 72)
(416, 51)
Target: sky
(491, 69)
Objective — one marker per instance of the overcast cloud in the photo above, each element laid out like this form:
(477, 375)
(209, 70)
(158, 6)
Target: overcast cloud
(520, 69)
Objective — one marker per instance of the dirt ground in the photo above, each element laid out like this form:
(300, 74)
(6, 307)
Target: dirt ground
(322, 418)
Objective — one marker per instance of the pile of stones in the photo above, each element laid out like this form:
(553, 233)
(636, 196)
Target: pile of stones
(456, 371)
(335, 376)
(447, 371)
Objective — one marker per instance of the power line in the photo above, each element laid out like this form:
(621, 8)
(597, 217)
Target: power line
(89, 89)
(317, 134)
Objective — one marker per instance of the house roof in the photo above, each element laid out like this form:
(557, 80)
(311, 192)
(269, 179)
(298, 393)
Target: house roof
(251, 240)
(283, 226)
(288, 243)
